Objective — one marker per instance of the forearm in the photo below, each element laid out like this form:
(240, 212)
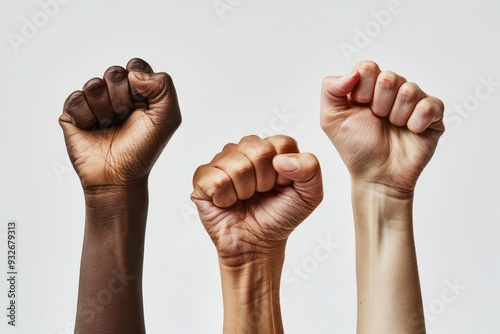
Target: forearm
(251, 297)
(389, 293)
(110, 291)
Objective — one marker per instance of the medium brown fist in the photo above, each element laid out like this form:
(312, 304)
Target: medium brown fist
(253, 194)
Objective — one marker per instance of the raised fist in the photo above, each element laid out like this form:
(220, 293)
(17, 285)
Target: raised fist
(385, 128)
(116, 127)
(253, 194)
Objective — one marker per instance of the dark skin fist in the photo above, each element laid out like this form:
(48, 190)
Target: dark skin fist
(116, 127)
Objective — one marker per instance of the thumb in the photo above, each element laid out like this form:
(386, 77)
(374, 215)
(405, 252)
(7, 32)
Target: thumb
(335, 91)
(159, 90)
(305, 172)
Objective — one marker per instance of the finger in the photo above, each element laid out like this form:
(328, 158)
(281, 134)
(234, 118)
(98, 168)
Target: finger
(386, 90)
(138, 65)
(428, 114)
(362, 92)
(159, 89)
(305, 172)
(78, 111)
(334, 91)
(282, 145)
(229, 147)
(96, 94)
(406, 99)
(261, 153)
(213, 184)
(241, 172)
(116, 79)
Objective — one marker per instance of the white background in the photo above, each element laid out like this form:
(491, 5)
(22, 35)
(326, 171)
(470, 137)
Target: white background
(233, 72)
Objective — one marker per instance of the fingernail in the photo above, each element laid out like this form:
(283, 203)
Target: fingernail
(288, 164)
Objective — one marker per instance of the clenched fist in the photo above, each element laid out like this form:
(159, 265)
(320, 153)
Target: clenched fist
(385, 128)
(253, 194)
(116, 127)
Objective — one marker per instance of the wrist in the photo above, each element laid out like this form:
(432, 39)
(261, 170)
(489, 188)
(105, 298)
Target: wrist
(251, 296)
(118, 191)
(244, 275)
(120, 204)
(115, 225)
(242, 253)
(380, 190)
(375, 203)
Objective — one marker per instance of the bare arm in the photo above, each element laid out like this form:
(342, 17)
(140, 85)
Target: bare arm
(251, 297)
(386, 131)
(387, 274)
(115, 128)
(110, 292)
(250, 198)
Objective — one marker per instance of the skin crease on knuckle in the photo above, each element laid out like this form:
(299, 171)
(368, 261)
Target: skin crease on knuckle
(423, 116)
(258, 152)
(284, 144)
(409, 93)
(367, 68)
(79, 111)
(216, 181)
(388, 81)
(242, 176)
(116, 74)
(425, 110)
(95, 88)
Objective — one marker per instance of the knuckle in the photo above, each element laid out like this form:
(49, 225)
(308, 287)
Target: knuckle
(139, 65)
(367, 67)
(74, 100)
(249, 138)
(240, 167)
(214, 183)
(229, 147)
(164, 78)
(197, 174)
(220, 181)
(426, 109)
(256, 148)
(218, 157)
(233, 163)
(285, 142)
(388, 80)
(312, 159)
(438, 102)
(115, 74)
(94, 88)
(408, 93)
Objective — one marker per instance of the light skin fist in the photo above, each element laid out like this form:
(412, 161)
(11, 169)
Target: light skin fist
(385, 128)
(253, 194)
(116, 127)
